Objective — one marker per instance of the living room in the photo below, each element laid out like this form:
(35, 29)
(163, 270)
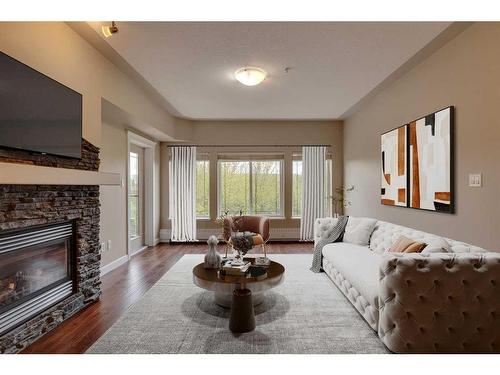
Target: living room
(221, 186)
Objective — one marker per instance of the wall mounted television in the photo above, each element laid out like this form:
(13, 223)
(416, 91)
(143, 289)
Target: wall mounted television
(38, 113)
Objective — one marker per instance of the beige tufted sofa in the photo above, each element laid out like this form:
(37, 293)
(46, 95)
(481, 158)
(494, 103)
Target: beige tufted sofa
(436, 303)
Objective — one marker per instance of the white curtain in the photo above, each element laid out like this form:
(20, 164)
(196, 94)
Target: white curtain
(183, 193)
(313, 189)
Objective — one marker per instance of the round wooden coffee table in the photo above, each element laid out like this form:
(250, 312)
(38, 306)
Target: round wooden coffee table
(240, 293)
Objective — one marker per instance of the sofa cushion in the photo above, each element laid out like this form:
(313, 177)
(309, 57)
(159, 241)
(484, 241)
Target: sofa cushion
(359, 265)
(438, 245)
(358, 230)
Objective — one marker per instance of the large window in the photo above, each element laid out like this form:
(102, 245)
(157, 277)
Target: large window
(202, 189)
(251, 186)
(297, 186)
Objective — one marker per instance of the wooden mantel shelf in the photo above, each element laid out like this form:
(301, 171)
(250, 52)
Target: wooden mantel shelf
(27, 174)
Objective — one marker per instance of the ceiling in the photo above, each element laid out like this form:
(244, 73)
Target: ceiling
(333, 65)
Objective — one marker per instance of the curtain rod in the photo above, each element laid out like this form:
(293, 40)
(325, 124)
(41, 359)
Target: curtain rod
(248, 145)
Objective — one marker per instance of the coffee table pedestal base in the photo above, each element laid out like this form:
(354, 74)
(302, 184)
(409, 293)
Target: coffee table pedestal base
(242, 314)
(226, 299)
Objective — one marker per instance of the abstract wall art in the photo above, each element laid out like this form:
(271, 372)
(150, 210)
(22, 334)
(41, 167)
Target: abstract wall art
(394, 168)
(417, 163)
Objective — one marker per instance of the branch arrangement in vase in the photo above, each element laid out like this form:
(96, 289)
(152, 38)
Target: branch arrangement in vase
(339, 198)
(220, 221)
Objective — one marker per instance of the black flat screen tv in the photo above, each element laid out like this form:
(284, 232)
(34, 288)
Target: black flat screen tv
(38, 113)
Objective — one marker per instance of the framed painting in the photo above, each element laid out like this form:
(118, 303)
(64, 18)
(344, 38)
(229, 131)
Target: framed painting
(394, 167)
(417, 163)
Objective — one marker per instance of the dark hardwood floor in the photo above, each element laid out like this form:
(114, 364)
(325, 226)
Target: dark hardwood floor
(123, 287)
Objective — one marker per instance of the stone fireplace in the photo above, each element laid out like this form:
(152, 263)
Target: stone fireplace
(49, 250)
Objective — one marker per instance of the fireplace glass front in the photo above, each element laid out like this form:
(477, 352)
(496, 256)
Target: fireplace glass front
(36, 271)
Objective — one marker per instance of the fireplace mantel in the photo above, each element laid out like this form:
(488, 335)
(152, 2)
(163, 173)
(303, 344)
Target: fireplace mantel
(27, 174)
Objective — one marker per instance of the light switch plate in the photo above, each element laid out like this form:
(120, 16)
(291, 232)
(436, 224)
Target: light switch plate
(475, 180)
(103, 247)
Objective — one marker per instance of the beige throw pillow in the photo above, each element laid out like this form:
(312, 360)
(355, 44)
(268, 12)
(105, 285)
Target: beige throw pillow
(359, 230)
(406, 245)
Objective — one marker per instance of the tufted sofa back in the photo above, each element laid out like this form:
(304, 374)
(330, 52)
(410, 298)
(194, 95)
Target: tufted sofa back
(385, 234)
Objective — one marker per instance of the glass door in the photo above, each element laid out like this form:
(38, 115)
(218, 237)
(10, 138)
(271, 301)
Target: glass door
(136, 198)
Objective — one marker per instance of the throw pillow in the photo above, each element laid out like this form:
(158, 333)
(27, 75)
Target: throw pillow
(437, 245)
(415, 247)
(406, 245)
(359, 230)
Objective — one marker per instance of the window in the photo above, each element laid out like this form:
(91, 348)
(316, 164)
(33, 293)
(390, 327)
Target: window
(252, 186)
(297, 186)
(134, 195)
(266, 187)
(202, 189)
(234, 186)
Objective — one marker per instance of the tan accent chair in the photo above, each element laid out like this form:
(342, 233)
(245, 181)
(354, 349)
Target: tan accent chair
(251, 223)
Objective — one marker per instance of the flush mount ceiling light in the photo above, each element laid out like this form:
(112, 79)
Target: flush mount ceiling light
(107, 31)
(250, 76)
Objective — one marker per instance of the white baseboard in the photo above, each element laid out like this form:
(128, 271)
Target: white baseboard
(138, 251)
(165, 235)
(114, 264)
(283, 234)
(156, 241)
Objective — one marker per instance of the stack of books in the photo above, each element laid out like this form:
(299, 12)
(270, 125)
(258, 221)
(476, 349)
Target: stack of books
(262, 261)
(237, 269)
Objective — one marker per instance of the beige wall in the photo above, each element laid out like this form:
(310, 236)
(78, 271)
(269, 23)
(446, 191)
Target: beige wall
(463, 73)
(114, 198)
(270, 135)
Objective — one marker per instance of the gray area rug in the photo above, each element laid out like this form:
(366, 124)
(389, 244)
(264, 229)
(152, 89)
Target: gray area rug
(306, 314)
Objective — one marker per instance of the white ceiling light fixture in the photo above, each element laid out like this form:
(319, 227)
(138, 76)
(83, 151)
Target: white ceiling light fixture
(250, 76)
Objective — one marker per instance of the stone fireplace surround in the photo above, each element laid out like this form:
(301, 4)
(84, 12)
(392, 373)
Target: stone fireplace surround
(23, 206)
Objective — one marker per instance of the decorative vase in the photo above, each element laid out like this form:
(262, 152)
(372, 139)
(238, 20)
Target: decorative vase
(212, 258)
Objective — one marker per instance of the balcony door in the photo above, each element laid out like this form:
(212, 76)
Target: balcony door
(136, 198)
